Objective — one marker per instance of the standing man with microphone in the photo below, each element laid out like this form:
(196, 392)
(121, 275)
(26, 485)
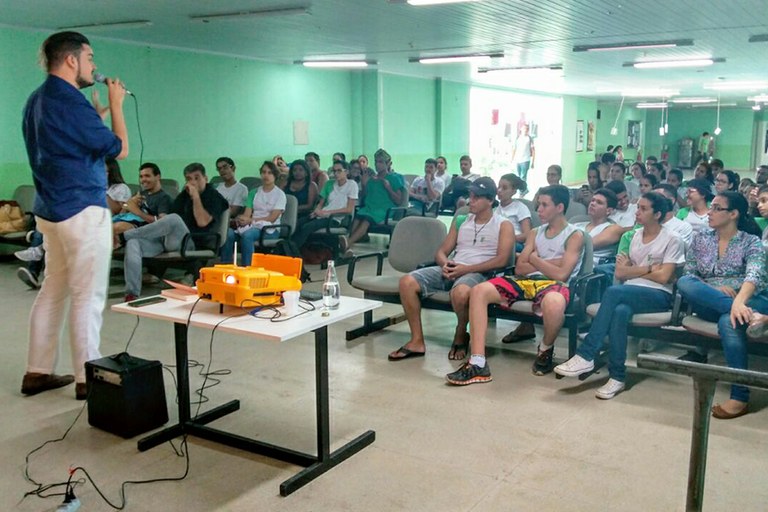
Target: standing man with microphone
(67, 143)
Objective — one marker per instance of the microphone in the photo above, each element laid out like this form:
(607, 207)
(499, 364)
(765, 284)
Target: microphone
(98, 77)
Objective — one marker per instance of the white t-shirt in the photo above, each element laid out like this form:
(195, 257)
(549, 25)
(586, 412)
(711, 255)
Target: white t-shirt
(515, 212)
(625, 219)
(523, 148)
(235, 195)
(681, 229)
(697, 222)
(339, 196)
(633, 190)
(419, 185)
(119, 192)
(264, 203)
(667, 247)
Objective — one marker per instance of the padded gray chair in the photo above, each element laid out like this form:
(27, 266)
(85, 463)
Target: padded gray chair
(415, 241)
(252, 182)
(287, 227)
(575, 209)
(535, 220)
(579, 218)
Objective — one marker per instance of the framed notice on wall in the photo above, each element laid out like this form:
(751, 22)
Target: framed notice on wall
(580, 135)
(591, 136)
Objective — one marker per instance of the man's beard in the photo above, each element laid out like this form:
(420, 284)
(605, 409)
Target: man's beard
(81, 81)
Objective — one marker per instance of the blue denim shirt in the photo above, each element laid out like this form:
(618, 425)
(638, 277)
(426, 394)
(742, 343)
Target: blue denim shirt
(66, 144)
(744, 260)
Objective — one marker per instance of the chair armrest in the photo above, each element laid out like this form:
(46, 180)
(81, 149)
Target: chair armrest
(199, 237)
(263, 232)
(345, 219)
(394, 213)
(352, 264)
(581, 287)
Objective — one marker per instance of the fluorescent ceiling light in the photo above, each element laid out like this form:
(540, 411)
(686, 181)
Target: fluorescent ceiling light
(335, 63)
(651, 105)
(736, 86)
(554, 67)
(650, 93)
(437, 2)
(707, 105)
(484, 58)
(694, 100)
(282, 11)
(637, 45)
(112, 25)
(763, 98)
(663, 64)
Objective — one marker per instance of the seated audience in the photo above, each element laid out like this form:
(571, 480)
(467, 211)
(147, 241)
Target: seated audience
(194, 210)
(649, 161)
(584, 195)
(282, 168)
(514, 210)
(264, 208)
(337, 198)
(355, 171)
(647, 273)
(619, 152)
(697, 211)
(647, 183)
(551, 258)
(364, 167)
(117, 192)
(637, 171)
(762, 210)
(456, 193)
(761, 175)
(442, 171)
(675, 178)
(230, 189)
(300, 186)
(426, 190)
(380, 191)
(657, 170)
(618, 172)
(604, 232)
(717, 166)
(624, 214)
(145, 207)
(318, 175)
(482, 243)
(725, 282)
(726, 181)
(703, 171)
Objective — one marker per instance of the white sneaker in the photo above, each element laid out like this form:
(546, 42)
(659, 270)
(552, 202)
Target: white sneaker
(574, 367)
(28, 278)
(31, 253)
(610, 389)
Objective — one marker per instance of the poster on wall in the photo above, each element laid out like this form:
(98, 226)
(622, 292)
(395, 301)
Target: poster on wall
(634, 128)
(591, 136)
(579, 136)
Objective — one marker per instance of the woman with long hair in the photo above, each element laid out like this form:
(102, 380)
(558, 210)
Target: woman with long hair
(300, 186)
(725, 282)
(594, 183)
(514, 210)
(117, 191)
(727, 180)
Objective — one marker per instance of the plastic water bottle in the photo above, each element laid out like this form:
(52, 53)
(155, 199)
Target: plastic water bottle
(331, 288)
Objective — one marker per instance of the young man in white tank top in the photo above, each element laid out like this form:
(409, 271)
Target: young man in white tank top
(551, 257)
(482, 244)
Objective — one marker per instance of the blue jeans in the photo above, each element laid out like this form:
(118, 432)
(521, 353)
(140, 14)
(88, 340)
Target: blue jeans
(713, 305)
(164, 235)
(618, 305)
(247, 239)
(522, 169)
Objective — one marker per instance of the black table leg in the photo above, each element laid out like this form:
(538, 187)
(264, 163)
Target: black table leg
(704, 391)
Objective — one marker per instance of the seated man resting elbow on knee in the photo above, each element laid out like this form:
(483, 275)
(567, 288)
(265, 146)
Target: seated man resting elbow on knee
(551, 257)
(482, 243)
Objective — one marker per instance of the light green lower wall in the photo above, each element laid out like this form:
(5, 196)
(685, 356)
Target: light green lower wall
(575, 163)
(608, 113)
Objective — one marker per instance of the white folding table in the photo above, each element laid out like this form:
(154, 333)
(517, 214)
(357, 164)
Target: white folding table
(208, 315)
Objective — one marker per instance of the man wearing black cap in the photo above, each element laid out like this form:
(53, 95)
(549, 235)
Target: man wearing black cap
(479, 243)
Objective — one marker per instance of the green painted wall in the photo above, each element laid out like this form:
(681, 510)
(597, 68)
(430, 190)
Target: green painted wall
(574, 162)
(608, 112)
(409, 120)
(452, 122)
(734, 146)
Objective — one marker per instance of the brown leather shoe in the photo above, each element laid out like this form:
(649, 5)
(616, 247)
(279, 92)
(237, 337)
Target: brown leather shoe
(34, 383)
(721, 414)
(81, 391)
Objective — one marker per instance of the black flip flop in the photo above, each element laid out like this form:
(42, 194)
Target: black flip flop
(517, 338)
(459, 346)
(407, 354)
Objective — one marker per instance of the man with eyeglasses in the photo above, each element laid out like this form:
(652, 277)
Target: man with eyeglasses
(232, 190)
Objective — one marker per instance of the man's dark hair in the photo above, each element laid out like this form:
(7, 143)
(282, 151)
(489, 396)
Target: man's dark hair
(313, 155)
(559, 194)
(659, 203)
(273, 169)
(194, 167)
(652, 159)
(705, 134)
(465, 157)
(608, 158)
(717, 162)
(150, 165)
(58, 46)
(678, 173)
(516, 181)
(432, 161)
(593, 165)
(617, 187)
(652, 179)
(341, 156)
(659, 167)
(610, 196)
(226, 159)
(763, 188)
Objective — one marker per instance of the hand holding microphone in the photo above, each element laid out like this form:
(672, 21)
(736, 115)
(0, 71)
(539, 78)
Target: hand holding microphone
(98, 77)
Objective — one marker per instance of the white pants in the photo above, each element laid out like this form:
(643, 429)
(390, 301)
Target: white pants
(77, 259)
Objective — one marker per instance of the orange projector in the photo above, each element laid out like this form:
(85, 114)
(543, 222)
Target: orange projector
(260, 284)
